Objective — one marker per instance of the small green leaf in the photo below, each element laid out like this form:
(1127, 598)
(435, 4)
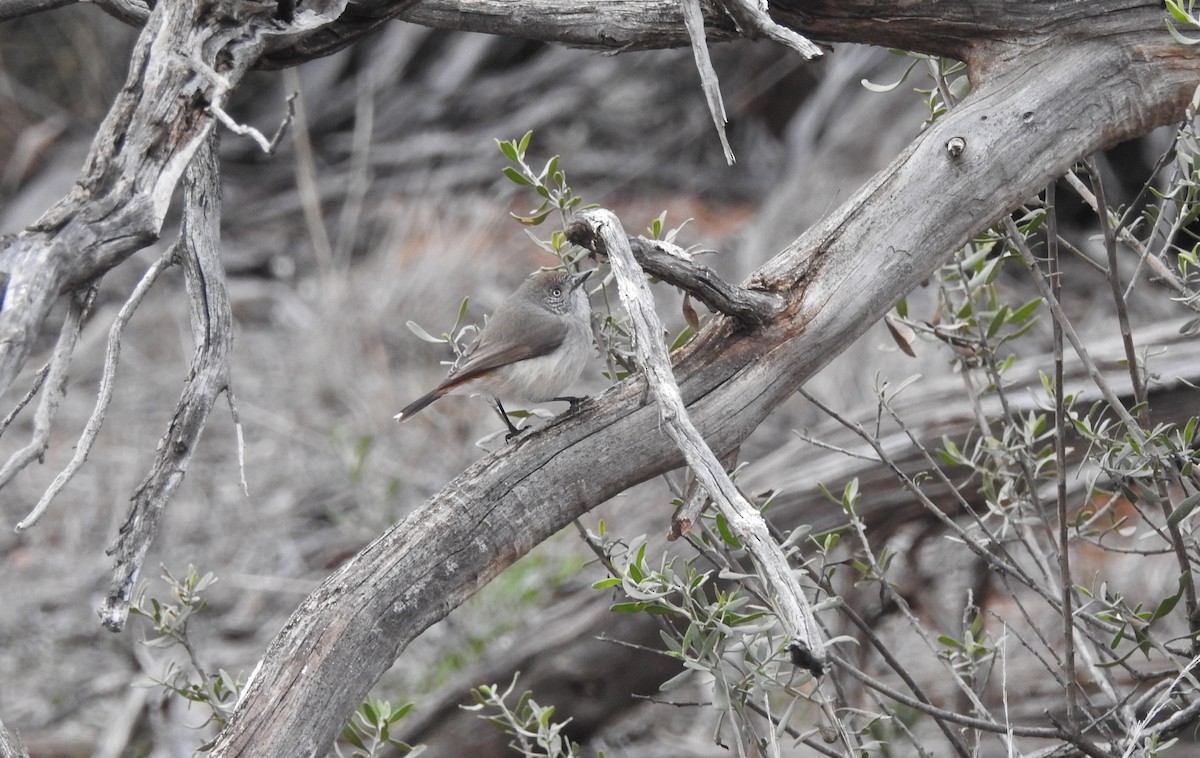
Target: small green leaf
(524, 144)
(1177, 12)
(1020, 315)
(533, 220)
(1185, 507)
(676, 681)
(1179, 37)
(627, 607)
(517, 177)
(726, 535)
(1168, 603)
(683, 338)
(998, 320)
(549, 169)
(369, 711)
(509, 150)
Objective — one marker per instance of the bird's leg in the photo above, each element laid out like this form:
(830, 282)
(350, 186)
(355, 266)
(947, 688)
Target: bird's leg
(513, 431)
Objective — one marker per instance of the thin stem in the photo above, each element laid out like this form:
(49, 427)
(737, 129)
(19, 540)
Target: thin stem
(107, 387)
(983, 725)
(1060, 469)
(1110, 397)
(885, 651)
(1110, 247)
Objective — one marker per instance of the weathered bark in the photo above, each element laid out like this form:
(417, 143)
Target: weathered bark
(1053, 82)
(198, 249)
(187, 59)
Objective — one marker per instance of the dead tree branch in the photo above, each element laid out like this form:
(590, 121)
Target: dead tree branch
(156, 124)
(212, 330)
(54, 386)
(748, 307)
(608, 238)
(107, 386)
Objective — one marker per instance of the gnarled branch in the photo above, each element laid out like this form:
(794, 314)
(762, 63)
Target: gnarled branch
(212, 329)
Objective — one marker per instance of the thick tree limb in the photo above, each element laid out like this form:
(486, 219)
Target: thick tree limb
(1109, 71)
(212, 329)
(1054, 82)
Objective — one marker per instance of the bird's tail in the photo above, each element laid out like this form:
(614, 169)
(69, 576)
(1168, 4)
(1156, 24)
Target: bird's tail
(412, 408)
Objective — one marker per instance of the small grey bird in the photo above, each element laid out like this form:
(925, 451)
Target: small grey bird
(532, 348)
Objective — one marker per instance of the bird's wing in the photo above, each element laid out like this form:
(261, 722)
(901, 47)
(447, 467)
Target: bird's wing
(540, 334)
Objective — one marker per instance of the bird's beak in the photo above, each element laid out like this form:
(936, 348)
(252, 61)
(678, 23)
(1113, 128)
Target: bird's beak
(577, 279)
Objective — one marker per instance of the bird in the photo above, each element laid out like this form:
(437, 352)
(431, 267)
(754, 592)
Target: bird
(531, 349)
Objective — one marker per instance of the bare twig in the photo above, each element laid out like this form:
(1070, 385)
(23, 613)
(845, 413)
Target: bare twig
(1114, 280)
(1001, 561)
(241, 439)
(107, 386)
(696, 500)
(688, 513)
(54, 387)
(884, 650)
(38, 378)
(349, 222)
(1094, 373)
(268, 146)
(609, 238)
(1146, 256)
(306, 185)
(212, 330)
(982, 725)
(1132, 428)
(987, 355)
(1060, 469)
(693, 19)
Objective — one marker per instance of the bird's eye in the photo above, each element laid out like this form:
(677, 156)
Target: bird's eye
(556, 292)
